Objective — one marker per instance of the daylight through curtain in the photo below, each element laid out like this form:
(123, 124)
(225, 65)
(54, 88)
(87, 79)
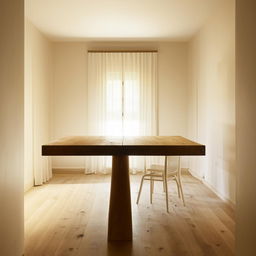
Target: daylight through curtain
(122, 95)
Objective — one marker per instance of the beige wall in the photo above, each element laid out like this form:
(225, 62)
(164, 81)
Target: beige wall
(11, 126)
(246, 126)
(28, 112)
(212, 100)
(38, 82)
(173, 86)
(69, 94)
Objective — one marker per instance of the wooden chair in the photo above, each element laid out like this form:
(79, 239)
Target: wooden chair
(170, 171)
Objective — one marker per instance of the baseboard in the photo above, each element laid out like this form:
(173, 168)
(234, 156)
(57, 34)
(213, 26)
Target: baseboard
(28, 186)
(70, 170)
(195, 175)
(222, 197)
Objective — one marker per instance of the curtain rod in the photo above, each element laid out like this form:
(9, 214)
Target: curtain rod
(122, 51)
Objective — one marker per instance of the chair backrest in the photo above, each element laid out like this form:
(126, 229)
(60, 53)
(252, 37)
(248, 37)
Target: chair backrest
(172, 164)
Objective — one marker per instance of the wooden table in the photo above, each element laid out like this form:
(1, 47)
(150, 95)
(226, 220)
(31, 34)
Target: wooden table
(120, 148)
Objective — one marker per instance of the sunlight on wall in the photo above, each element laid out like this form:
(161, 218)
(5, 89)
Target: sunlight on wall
(212, 101)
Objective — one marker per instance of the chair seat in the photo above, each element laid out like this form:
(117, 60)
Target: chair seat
(170, 171)
(154, 168)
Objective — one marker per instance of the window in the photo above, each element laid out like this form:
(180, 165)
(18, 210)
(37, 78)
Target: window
(122, 96)
(122, 105)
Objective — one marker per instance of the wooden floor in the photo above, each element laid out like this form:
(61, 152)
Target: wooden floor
(68, 216)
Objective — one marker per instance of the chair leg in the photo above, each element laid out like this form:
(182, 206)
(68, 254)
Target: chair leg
(166, 194)
(181, 190)
(178, 186)
(151, 189)
(141, 183)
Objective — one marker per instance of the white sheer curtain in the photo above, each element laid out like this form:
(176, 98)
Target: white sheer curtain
(122, 95)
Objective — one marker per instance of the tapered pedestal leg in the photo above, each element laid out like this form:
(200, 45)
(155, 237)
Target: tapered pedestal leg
(120, 213)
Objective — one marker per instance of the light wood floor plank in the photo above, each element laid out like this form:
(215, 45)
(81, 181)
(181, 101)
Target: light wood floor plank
(69, 216)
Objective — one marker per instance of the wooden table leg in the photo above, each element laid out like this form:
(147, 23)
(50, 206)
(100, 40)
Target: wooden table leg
(120, 213)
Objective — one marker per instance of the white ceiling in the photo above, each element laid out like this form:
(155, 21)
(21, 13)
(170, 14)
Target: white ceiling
(119, 19)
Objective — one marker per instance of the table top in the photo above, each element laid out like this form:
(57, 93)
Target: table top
(136, 145)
